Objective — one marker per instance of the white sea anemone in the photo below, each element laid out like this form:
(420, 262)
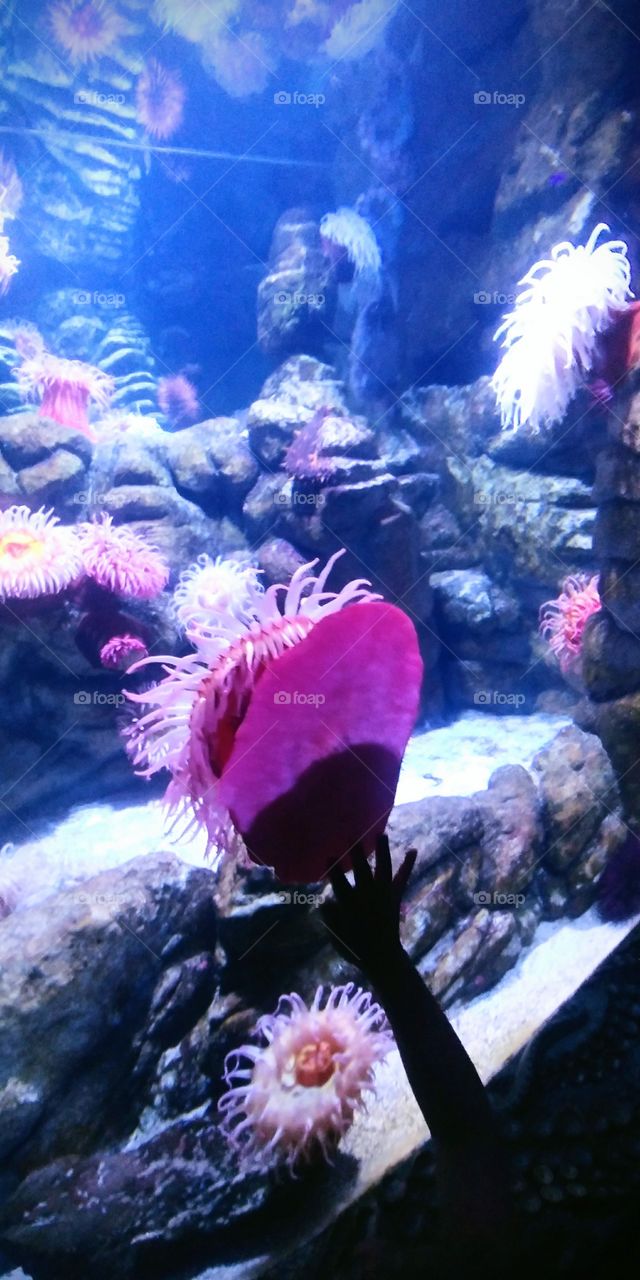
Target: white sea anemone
(298, 1092)
(210, 588)
(551, 335)
(355, 235)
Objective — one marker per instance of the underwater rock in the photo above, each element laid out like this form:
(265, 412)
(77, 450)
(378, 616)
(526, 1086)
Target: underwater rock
(469, 600)
(297, 297)
(617, 724)
(212, 463)
(66, 981)
(610, 660)
(56, 481)
(458, 419)
(26, 438)
(140, 1207)
(278, 560)
(578, 789)
(298, 389)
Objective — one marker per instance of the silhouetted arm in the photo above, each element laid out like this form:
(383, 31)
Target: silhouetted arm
(364, 921)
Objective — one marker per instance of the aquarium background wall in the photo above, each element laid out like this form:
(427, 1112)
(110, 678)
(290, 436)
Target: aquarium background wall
(253, 257)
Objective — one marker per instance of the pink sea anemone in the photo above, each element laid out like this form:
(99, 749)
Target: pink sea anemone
(120, 651)
(314, 765)
(295, 1095)
(196, 710)
(286, 728)
(160, 100)
(85, 29)
(38, 556)
(121, 560)
(65, 388)
(563, 620)
(178, 399)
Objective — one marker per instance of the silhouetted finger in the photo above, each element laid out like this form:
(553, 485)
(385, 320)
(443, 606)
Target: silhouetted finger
(343, 891)
(401, 878)
(361, 869)
(383, 872)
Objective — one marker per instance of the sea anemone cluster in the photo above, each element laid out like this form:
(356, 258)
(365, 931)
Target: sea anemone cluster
(160, 100)
(196, 710)
(552, 334)
(65, 389)
(85, 29)
(38, 556)
(295, 1095)
(351, 234)
(120, 560)
(563, 620)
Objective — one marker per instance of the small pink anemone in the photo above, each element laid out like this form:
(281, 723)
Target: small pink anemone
(196, 710)
(563, 620)
(85, 29)
(65, 388)
(121, 560)
(160, 100)
(38, 556)
(178, 399)
(295, 1096)
(120, 651)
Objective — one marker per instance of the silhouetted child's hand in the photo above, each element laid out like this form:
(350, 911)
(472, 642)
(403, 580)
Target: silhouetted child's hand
(364, 918)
